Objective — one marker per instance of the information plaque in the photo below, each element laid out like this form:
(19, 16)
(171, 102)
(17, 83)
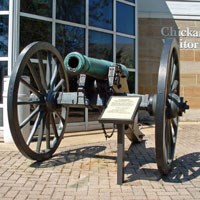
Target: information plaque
(121, 109)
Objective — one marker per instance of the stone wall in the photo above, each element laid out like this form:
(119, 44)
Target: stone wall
(151, 35)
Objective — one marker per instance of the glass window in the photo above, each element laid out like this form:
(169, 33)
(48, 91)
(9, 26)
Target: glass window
(41, 7)
(71, 10)
(101, 14)
(125, 18)
(4, 4)
(133, 1)
(32, 30)
(125, 51)
(3, 35)
(101, 45)
(3, 72)
(70, 38)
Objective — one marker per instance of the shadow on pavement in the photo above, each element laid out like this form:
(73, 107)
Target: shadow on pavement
(140, 163)
(70, 156)
(142, 166)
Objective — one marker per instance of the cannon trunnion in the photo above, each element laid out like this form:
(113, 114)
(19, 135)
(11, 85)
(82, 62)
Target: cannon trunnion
(42, 72)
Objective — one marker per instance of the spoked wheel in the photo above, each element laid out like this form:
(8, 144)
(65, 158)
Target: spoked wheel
(37, 122)
(166, 116)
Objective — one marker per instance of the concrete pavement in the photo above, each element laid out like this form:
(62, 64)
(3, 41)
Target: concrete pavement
(84, 167)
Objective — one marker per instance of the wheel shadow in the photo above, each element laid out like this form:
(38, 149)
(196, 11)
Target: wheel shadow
(72, 155)
(142, 166)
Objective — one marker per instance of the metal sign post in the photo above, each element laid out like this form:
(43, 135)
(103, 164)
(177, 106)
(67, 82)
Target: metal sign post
(121, 110)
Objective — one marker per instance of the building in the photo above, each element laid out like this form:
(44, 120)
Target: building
(171, 18)
(126, 31)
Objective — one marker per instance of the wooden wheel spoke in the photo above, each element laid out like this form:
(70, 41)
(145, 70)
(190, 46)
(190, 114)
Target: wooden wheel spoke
(42, 70)
(168, 141)
(49, 68)
(174, 86)
(174, 71)
(28, 119)
(48, 132)
(59, 85)
(54, 126)
(54, 76)
(41, 133)
(35, 127)
(30, 87)
(36, 77)
(60, 117)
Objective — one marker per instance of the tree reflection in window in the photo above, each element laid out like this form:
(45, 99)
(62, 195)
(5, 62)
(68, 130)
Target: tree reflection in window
(71, 10)
(69, 38)
(3, 72)
(101, 13)
(42, 7)
(3, 35)
(125, 48)
(32, 30)
(4, 5)
(101, 45)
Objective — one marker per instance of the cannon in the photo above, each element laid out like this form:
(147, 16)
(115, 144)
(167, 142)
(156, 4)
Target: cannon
(41, 70)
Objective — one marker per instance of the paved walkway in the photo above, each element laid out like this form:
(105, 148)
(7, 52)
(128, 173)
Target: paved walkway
(84, 168)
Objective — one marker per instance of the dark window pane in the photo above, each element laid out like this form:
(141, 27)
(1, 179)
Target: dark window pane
(32, 30)
(101, 13)
(43, 7)
(69, 38)
(3, 35)
(3, 72)
(76, 115)
(101, 45)
(125, 51)
(131, 82)
(71, 10)
(125, 18)
(133, 1)
(4, 4)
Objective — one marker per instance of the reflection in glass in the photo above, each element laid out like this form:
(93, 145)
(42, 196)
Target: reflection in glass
(72, 10)
(3, 72)
(125, 51)
(69, 38)
(4, 5)
(125, 18)
(3, 35)
(131, 82)
(101, 45)
(101, 13)
(133, 1)
(32, 30)
(36, 7)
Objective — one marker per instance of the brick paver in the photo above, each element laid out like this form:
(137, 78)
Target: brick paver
(84, 172)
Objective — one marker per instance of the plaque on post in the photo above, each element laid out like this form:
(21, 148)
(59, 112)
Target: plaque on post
(121, 109)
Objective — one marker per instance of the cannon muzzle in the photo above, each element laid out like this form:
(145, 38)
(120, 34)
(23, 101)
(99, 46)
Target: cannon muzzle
(76, 63)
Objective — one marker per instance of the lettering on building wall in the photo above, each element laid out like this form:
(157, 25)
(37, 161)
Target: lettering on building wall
(184, 35)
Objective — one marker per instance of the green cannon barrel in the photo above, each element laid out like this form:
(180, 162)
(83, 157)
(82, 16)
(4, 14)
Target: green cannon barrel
(76, 63)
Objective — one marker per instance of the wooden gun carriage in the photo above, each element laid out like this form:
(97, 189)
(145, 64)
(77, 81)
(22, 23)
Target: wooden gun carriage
(42, 71)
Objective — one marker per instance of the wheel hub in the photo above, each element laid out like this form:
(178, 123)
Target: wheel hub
(176, 105)
(51, 101)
